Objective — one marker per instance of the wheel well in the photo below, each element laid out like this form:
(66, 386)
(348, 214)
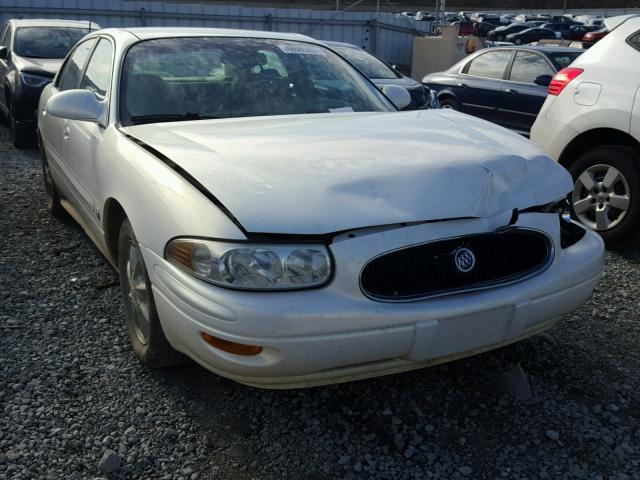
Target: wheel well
(594, 138)
(113, 215)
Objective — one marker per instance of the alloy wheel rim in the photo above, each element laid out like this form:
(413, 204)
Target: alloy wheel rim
(137, 294)
(601, 197)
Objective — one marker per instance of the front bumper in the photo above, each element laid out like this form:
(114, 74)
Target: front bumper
(336, 334)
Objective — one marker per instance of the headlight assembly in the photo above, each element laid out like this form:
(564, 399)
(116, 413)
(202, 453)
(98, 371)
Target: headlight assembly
(34, 80)
(251, 266)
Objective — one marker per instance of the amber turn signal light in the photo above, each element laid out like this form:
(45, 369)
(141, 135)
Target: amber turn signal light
(231, 347)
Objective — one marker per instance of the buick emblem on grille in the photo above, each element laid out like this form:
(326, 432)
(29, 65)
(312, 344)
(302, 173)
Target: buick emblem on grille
(464, 259)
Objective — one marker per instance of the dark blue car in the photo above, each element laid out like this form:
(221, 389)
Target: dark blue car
(505, 85)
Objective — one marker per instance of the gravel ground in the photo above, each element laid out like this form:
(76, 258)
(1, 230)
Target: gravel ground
(76, 404)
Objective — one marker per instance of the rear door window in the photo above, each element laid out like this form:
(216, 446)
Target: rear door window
(634, 40)
(489, 65)
(528, 66)
(69, 77)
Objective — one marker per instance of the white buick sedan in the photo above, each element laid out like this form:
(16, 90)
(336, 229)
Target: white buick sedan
(274, 216)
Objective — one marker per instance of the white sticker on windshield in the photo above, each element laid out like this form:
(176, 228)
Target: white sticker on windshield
(301, 49)
(341, 109)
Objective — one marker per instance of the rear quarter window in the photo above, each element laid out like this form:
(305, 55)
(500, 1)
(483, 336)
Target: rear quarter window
(634, 41)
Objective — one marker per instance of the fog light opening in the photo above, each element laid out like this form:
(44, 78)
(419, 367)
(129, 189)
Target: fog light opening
(231, 347)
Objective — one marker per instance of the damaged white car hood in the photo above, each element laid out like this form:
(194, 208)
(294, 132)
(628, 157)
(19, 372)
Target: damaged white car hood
(323, 173)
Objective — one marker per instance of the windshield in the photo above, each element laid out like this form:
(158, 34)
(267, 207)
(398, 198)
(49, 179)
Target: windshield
(371, 66)
(204, 77)
(47, 42)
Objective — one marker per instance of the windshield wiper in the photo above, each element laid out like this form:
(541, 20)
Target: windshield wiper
(169, 117)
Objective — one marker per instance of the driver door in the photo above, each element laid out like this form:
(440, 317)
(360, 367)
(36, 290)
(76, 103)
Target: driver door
(81, 139)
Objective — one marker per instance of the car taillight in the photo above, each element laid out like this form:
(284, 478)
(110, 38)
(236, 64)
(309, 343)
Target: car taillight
(562, 79)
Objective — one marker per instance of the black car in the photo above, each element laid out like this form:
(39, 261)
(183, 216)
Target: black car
(505, 85)
(382, 74)
(492, 19)
(482, 29)
(561, 28)
(31, 52)
(500, 33)
(531, 35)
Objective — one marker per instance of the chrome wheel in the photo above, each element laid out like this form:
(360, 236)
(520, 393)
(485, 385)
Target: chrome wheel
(137, 295)
(601, 197)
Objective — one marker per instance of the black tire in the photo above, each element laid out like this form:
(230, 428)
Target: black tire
(449, 102)
(627, 161)
(53, 198)
(20, 136)
(152, 348)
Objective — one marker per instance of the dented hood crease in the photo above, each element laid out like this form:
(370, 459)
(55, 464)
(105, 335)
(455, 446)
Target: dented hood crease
(322, 173)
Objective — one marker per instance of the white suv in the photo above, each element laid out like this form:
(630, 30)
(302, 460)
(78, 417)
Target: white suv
(590, 123)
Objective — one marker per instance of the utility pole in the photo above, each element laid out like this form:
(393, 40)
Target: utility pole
(564, 6)
(337, 5)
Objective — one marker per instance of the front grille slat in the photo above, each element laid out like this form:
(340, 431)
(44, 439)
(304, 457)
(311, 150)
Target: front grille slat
(429, 269)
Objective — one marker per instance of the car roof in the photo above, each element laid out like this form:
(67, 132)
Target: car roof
(146, 33)
(50, 22)
(544, 48)
(341, 44)
(613, 22)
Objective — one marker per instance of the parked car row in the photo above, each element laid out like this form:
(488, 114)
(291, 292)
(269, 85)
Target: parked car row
(522, 29)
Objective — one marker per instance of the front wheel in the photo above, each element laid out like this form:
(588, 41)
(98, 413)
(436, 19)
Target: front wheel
(606, 192)
(143, 324)
(450, 103)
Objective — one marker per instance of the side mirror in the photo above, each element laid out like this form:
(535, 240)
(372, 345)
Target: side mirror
(398, 95)
(543, 80)
(4, 53)
(76, 105)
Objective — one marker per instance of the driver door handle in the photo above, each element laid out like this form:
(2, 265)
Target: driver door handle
(510, 91)
(461, 85)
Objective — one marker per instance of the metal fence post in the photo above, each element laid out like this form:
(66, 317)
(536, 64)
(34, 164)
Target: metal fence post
(373, 35)
(270, 23)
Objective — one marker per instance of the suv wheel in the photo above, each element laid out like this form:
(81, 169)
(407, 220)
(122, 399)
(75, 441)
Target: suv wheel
(606, 192)
(147, 338)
